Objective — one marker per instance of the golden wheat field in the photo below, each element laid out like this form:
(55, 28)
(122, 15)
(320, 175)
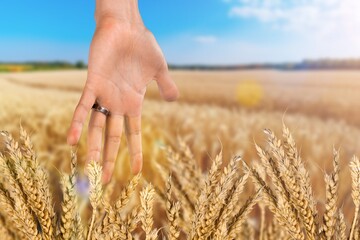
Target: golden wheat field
(276, 190)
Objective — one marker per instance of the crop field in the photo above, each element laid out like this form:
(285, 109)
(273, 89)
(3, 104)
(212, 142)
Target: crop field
(237, 113)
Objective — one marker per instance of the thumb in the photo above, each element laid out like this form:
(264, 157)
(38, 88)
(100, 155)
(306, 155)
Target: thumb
(168, 89)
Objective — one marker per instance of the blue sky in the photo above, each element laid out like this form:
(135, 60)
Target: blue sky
(201, 31)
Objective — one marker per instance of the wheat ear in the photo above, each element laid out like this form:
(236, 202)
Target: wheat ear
(330, 215)
(302, 196)
(113, 212)
(127, 193)
(17, 218)
(94, 172)
(147, 201)
(5, 232)
(16, 196)
(341, 226)
(236, 222)
(212, 180)
(172, 211)
(70, 220)
(35, 187)
(278, 205)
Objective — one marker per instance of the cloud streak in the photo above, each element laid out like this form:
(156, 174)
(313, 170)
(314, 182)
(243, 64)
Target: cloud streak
(205, 39)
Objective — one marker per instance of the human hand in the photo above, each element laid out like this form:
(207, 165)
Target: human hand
(124, 58)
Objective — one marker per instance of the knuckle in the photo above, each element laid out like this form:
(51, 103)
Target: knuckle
(117, 115)
(135, 99)
(109, 163)
(76, 122)
(94, 154)
(81, 107)
(94, 150)
(114, 139)
(134, 132)
(96, 126)
(137, 156)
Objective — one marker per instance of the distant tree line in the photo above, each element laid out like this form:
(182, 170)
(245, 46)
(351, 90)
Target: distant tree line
(321, 64)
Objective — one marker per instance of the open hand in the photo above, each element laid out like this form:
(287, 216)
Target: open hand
(124, 58)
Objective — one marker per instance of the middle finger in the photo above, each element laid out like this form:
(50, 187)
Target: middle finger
(95, 134)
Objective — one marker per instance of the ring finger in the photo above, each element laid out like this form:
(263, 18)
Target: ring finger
(114, 126)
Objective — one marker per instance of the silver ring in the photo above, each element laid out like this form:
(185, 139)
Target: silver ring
(101, 109)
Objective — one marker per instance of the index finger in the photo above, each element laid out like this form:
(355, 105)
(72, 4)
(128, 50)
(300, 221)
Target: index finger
(133, 136)
(86, 101)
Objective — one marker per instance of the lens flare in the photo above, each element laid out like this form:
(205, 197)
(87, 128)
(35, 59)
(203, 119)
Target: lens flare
(249, 93)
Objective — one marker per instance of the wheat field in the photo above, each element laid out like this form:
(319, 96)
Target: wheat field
(217, 112)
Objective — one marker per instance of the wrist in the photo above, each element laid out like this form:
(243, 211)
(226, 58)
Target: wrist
(118, 10)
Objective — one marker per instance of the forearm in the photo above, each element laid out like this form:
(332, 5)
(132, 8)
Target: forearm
(122, 10)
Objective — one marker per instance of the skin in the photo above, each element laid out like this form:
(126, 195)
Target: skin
(124, 57)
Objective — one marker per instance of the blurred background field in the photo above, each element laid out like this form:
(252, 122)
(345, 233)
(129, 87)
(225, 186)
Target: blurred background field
(216, 110)
(239, 68)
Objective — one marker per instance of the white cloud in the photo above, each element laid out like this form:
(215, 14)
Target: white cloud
(322, 18)
(291, 30)
(205, 39)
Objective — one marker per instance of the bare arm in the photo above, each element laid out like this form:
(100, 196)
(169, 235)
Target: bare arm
(124, 58)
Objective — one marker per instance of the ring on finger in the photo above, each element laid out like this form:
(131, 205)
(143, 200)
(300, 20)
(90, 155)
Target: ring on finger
(98, 108)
